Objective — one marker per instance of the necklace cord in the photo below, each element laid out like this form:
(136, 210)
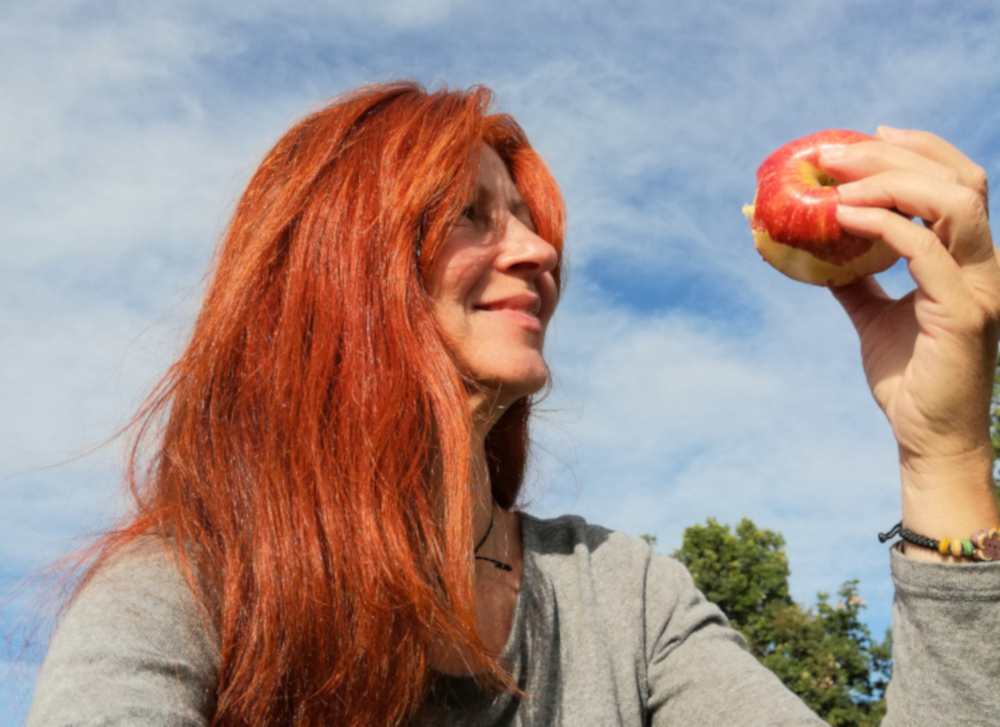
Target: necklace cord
(498, 564)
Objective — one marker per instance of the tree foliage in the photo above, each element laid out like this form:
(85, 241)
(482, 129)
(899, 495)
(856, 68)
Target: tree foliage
(825, 655)
(745, 573)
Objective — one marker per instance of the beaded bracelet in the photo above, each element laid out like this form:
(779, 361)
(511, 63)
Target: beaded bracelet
(982, 545)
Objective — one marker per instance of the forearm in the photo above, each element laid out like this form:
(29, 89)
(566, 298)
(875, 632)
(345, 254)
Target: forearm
(946, 622)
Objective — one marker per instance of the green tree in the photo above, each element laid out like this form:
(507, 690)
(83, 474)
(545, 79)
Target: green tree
(825, 655)
(745, 573)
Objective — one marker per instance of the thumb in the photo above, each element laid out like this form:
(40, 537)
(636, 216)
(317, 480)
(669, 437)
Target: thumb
(863, 300)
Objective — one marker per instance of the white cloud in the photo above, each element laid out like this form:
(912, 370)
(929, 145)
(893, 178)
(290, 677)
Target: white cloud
(128, 130)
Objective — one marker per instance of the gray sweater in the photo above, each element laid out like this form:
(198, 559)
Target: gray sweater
(604, 633)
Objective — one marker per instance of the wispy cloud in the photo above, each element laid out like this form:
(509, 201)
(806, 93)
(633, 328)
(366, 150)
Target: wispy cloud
(691, 381)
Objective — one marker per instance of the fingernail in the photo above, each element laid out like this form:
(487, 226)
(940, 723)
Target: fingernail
(847, 190)
(832, 154)
(845, 211)
(888, 132)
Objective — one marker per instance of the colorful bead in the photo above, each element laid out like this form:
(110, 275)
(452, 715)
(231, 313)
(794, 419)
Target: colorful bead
(982, 545)
(989, 545)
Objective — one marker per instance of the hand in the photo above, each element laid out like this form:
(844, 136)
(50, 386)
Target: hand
(928, 356)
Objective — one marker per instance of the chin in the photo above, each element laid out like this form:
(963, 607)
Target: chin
(507, 389)
(508, 393)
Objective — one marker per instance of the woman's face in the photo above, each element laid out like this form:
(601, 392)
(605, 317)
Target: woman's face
(493, 287)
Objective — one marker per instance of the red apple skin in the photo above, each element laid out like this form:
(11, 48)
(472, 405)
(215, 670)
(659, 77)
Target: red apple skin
(797, 202)
(794, 217)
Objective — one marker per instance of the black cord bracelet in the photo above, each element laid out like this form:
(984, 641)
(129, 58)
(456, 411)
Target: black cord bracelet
(984, 545)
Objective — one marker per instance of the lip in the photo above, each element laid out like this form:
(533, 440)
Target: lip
(527, 303)
(522, 309)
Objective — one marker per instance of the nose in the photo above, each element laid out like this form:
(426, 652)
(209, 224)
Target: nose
(523, 251)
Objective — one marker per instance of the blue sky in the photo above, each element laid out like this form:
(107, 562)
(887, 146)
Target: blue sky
(691, 380)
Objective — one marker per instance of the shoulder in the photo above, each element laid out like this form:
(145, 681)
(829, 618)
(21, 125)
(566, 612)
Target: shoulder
(142, 589)
(572, 537)
(132, 644)
(621, 572)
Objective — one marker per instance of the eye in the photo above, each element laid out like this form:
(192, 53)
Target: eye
(528, 221)
(523, 214)
(478, 213)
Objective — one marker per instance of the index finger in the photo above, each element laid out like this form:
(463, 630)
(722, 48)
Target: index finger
(937, 149)
(868, 158)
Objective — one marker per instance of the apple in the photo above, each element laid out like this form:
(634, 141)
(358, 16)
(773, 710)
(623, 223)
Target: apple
(794, 216)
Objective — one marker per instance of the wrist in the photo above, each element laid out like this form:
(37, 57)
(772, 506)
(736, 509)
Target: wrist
(966, 468)
(947, 497)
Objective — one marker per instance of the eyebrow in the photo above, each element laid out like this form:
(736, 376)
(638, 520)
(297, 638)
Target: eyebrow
(488, 194)
(518, 207)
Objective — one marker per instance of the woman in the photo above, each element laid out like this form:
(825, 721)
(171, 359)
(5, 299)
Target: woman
(325, 480)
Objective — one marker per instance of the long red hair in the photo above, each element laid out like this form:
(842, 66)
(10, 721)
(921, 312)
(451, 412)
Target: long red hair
(307, 457)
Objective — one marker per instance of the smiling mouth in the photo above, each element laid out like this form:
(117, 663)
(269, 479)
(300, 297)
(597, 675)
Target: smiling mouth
(530, 305)
(506, 309)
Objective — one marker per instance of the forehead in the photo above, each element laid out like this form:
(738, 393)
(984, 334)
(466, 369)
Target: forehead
(494, 176)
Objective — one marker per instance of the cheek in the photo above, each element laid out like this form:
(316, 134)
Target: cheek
(457, 275)
(549, 291)
(452, 293)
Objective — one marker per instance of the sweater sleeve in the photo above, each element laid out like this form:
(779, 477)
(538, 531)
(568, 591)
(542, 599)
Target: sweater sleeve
(132, 649)
(946, 667)
(698, 668)
(945, 628)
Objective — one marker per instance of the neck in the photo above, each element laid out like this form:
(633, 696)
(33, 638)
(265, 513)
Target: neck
(487, 405)
(501, 545)
(482, 494)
